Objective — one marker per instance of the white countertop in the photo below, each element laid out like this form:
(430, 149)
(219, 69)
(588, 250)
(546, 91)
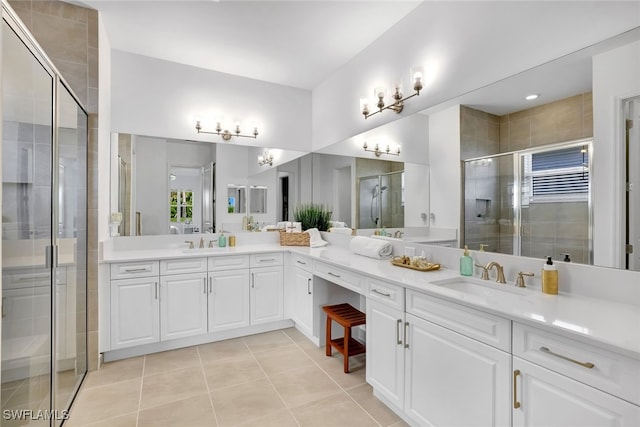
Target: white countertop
(603, 323)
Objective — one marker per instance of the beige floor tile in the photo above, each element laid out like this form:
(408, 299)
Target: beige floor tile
(112, 372)
(268, 341)
(334, 367)
(128, 420)
(170, 360)
(280, 419)
(295, 334)
(400, 423)
(378, 410)
(193, 412)
(223, 350)
(282, 359)
(335, 410)
(314, 352)
(304, 385)
(246, 402)
(31, 390)
(99, 403)
(172, 386)
(229, 372)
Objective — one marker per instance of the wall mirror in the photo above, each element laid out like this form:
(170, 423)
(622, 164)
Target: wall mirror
(236, 198)
(257, 199)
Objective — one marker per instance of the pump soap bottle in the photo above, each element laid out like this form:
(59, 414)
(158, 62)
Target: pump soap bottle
(466, 263)
(222, 240)
(549, 278)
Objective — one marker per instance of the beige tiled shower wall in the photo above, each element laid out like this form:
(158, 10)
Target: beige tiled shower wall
(69, 36)
(551, 228)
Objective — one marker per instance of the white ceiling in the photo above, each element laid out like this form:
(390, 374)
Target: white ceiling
(293, 43)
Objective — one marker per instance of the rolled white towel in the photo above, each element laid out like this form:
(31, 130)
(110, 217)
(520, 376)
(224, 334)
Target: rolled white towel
(315, 240)
(372, 248)
(337, 224)
(341, 230)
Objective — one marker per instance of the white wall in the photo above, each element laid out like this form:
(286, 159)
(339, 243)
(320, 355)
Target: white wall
(231, 168)
(419, 38)
(269, 179)
(416, 187)
(444, 152)
(615, 78)
(162, 98)
(104, 131)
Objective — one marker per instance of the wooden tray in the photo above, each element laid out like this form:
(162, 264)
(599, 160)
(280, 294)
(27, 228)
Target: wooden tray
(428, 267)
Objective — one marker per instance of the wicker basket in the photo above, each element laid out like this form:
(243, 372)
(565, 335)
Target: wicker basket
(294, 239)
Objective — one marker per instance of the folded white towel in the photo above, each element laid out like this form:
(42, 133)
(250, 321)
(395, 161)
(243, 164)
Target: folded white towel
(337, 224)
(372, 248)
(341, 230)
(315, 240)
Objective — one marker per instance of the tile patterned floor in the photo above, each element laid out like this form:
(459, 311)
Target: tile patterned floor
(273, 379)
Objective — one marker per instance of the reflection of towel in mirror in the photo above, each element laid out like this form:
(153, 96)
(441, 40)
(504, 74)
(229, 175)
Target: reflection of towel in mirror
(373, 248)
(337, 224)
(315, 240)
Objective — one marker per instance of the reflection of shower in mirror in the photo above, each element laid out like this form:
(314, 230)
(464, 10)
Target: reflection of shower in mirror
(374, 195)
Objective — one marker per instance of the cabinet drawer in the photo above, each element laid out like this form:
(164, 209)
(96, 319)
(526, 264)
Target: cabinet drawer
(603, 369)
(387, 293)
(266, 260)
(228, 262)
(183, 265)
(127, 270)
(339, 276)
(302, 262)
(484, 327)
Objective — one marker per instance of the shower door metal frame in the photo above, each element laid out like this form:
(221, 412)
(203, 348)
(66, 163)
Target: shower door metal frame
(15, 24)
(379, 177)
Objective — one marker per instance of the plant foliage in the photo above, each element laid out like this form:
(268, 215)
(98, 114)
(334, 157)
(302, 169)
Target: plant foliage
(312, 215)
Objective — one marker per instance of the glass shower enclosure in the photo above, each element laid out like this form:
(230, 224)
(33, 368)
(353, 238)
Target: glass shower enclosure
(534, 202)
(44, 235)
(381, 200)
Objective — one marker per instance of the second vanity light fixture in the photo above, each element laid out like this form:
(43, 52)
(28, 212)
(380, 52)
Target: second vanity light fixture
(226, 134)
(378, 152)
(398, 101)
(265, 159)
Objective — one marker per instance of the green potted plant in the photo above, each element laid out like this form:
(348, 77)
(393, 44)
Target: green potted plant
(312, 215)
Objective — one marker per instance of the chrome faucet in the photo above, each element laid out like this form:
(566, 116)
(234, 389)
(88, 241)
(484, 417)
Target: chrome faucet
(201, 243)
(190, 242)
(499, 271)
(398, 234)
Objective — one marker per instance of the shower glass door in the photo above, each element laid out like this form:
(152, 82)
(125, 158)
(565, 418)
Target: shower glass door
(27, 232)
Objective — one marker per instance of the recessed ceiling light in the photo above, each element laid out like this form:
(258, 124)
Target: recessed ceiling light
(532, 96)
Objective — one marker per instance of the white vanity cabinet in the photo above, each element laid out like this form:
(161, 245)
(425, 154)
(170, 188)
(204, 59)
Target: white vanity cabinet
(558, 382)
(135, 304)
(228, 292)
(267, 288)
(302, 310)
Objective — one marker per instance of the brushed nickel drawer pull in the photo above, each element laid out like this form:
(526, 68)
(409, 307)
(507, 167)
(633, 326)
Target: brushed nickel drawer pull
(301, 262)
(333, 274)
(587, 365)
(266, 259)
(380, 293)
(398, 326)
(309, 286)
(516, 404)
(204, 283)
(136, 270)
(156, 285)
(406, 332)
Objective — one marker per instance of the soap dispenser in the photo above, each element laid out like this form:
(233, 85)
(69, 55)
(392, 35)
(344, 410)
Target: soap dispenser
(466, 263)
(549, 277)
(222, 240)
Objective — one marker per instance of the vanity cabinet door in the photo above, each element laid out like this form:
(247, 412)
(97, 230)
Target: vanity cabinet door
(228, 299)
(183, 305)
(385, 351)
(453, 380)
(266, 296)
(135, 312)
(544, 398)
(303, 301)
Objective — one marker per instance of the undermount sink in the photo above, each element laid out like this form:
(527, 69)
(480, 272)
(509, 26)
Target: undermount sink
(204, 250)
(479, 287)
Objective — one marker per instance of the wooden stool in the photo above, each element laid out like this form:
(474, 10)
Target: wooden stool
(346, 316)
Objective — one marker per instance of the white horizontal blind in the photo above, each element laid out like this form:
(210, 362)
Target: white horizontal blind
(556, 176)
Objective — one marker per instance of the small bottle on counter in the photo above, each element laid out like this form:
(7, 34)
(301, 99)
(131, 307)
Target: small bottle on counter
(466, 263)
(222, 240)
(549, 278)
(232, 240)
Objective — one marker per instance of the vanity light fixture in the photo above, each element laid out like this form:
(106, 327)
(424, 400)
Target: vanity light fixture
(378, 152)
(398, 101)
(265, 159)
(226, 134)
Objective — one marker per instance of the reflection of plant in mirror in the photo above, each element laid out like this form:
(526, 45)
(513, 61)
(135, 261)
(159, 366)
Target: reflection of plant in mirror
(312, 215)
(181, 205)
